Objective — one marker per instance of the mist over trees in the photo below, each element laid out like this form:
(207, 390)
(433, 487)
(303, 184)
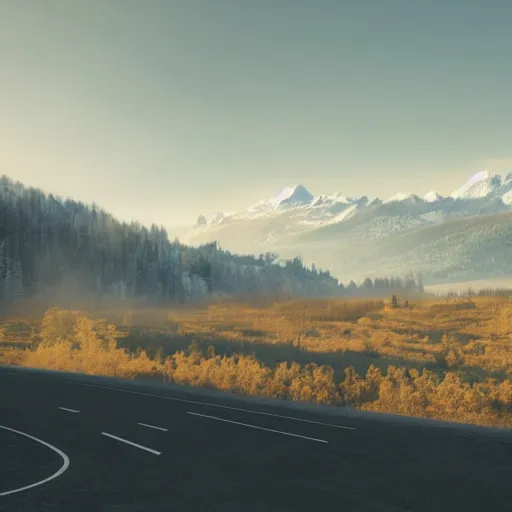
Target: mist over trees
(46, 242)
(408, 286)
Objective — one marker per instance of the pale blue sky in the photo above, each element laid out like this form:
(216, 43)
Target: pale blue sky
(162, 110)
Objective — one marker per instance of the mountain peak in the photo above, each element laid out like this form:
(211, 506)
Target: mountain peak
(402, 197)
(432, 197)
(479, 185)
(293, 195)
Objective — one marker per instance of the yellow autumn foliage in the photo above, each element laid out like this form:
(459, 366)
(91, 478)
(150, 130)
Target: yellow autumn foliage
(443, 359)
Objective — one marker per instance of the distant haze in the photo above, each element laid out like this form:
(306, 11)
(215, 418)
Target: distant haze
(161, 110)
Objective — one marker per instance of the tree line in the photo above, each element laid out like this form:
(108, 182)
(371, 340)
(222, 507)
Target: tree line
(408, 286)
(46, 240)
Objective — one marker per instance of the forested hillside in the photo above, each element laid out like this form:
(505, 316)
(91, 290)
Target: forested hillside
(48, 242)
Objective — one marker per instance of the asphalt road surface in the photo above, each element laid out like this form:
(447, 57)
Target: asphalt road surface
(78, 443)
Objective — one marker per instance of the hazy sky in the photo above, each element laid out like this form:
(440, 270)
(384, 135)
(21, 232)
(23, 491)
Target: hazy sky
(162, 110)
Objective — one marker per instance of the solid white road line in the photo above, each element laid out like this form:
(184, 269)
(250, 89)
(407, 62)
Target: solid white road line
(150, 450)
(152, 426)
(63, 468)
(251, 411)
(69, 410)
(258, 428)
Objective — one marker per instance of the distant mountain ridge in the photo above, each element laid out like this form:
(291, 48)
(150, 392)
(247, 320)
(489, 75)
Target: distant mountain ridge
(480, 185)
(319, 228)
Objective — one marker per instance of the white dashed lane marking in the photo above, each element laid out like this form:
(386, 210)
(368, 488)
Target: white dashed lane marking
(152, 426)
(68, 410)
(120, 439)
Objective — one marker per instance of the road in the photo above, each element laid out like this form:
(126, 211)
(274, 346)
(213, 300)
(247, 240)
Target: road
(106, 445)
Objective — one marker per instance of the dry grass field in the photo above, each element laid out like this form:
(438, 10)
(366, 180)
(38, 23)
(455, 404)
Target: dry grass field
(448, 359)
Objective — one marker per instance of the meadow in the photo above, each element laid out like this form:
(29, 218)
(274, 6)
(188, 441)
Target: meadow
(443, 358)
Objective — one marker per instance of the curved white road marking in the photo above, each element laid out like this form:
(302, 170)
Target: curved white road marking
(63, 468)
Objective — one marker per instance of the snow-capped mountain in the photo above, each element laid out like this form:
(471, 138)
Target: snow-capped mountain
(292, 196)
(317, 227)
(288, 197)
(480, 184)
(323, 210)
(401, 197)
(432, 197)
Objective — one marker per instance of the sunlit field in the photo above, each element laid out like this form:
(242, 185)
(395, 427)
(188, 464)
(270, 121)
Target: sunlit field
(448, 359)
